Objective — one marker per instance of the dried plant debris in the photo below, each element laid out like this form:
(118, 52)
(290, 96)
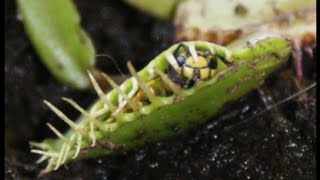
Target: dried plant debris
(223, 21)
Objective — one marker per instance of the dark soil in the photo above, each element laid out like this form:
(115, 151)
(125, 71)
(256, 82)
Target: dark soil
(279, 144)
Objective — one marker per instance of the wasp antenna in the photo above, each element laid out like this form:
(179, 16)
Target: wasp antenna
(114, 62)
(79, 138)
(122, 93)
(142, 84)
(100, 93)
(60, 135)
(169, 82)
(61, 115)
(45, 153)
(193, 52)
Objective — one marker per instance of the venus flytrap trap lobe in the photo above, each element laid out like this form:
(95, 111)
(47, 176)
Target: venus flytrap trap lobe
(177, 90)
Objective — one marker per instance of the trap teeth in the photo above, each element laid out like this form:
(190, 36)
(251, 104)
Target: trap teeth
(91, 119)
(41, 159)
(45, 153)
(122, 93)
(100, 93)
(60, 134)
(61, 115)
(169, 82)
(193, 52)
(141, 83)
(171, 59)
(79, 138)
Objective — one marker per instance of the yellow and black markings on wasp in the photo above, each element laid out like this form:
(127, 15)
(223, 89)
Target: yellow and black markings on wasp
(189, 65)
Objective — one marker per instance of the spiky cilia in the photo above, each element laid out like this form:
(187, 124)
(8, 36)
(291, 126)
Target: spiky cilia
(150, 106)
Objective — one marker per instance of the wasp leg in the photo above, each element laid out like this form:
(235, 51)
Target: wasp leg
(175, 77)
(181, 45)
(195, 77)
(196, 74)
(180, 59)
(188, 83)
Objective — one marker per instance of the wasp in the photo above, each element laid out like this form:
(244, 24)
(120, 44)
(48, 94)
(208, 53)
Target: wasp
(187, 65)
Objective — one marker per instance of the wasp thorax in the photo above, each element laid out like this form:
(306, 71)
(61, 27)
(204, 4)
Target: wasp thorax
(196, 69)
(189, 65)
(199, 62)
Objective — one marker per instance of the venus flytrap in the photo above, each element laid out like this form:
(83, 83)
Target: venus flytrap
(177, 90)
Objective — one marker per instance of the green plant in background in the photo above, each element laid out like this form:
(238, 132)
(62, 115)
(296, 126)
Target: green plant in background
(54, 30)
(163, 9)
(155, 103)
(63, 46)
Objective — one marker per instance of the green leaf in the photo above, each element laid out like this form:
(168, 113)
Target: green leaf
(55, 32)
(163, 9)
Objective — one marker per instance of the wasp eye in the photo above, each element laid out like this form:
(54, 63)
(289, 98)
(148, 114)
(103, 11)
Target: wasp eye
(212, 64)
(181, 60)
